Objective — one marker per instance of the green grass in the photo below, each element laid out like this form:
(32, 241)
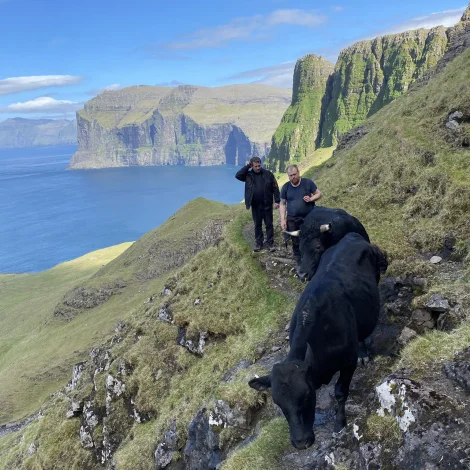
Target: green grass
(263, 452)
(36, 352)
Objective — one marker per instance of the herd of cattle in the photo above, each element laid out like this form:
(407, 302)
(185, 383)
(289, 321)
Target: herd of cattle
(337, 311)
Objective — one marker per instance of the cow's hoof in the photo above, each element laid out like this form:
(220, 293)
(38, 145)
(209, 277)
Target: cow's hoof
(339, 427)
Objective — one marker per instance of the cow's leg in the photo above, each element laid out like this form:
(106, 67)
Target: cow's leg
(363, 358)
(341, 395)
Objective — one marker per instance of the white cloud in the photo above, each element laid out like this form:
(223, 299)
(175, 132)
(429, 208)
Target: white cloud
(246, 29)
(43, 104)
(19, 84)
(338, 8)
(442, 18)
(276, 75)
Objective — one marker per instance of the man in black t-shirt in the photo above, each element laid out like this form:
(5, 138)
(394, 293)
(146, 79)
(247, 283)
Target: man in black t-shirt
(260, 189)
(298, 198)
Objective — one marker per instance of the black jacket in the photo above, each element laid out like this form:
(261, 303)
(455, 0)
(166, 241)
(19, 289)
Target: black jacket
(271, 188)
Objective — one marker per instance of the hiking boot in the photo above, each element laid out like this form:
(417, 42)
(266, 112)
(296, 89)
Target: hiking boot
(271, 248)
(257, 248)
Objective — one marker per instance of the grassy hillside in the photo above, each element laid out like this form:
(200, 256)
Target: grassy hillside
(44, 330)
(36, 352)
(407, 179)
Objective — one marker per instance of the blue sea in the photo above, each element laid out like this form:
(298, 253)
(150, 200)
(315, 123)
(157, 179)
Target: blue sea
(49, 215)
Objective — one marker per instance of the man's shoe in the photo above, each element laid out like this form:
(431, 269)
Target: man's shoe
(272, 249)
(257, 248)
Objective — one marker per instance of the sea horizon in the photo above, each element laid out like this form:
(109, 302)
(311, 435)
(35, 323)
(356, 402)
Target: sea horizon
(50, 215)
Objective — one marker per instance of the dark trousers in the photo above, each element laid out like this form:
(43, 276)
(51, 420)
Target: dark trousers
(293, 224)
(260, 213)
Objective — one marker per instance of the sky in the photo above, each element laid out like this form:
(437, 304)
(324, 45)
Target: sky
(57, 54)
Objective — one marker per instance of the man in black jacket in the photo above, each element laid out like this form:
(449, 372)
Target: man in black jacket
(260, 189)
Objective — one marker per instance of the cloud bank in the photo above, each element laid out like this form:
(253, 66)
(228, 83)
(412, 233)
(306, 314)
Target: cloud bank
(280, 75)
(43, 104)
(18, 84)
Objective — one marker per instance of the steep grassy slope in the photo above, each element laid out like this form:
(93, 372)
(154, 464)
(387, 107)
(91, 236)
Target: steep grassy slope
(35, 351)
(407, 179)
(296, 136)
(49, 321)
(370, 74)
(237, 310)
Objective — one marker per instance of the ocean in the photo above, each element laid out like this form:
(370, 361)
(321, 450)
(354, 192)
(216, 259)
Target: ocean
(49, 215)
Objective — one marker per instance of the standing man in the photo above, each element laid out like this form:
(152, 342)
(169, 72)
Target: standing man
(260, 189)
(298, 197)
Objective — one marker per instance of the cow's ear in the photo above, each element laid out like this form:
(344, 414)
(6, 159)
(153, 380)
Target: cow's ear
(326, 228)
(309, 357)
(260, 383)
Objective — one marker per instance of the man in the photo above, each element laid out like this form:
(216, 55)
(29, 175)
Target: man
(298, 198)
(260, 189)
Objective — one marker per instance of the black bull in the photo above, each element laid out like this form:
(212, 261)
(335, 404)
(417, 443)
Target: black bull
(338, 309)
(323, 227)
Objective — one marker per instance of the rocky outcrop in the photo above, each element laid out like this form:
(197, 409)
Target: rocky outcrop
(370, 74)
(296, 136)
(187, 125)
(19, 132)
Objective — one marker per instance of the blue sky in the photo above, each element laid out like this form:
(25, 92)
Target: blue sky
(57, 54)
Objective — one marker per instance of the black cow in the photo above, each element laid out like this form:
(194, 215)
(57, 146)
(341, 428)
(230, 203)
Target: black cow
(323, 227)
(338, 309)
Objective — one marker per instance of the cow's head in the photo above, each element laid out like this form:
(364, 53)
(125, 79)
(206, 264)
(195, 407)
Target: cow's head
(313, 242)
(293, 391)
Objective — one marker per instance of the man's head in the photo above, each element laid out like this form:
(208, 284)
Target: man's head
(256, 164)
(293, 174)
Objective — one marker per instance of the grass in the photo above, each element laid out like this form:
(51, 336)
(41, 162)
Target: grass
(36, 353)
(383, 429)
(263, 452)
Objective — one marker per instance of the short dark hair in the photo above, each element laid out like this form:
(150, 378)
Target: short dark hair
(255, 160)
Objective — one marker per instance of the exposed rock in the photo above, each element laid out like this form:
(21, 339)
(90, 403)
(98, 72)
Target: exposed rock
(190, 345)
(351, 138)
(437, 303)
(75, 409)
(85, 438)
(164, 314)
(76, 374)
(202, 449)
(165, 451)
(422, 320)
(223, 415)
(459, 369)
(166, 292)
(435, 259)
(406, 336)
(231, 373)
(32, 449)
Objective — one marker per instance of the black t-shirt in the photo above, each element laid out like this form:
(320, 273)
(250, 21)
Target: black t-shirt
(258, 188)
(294, 195)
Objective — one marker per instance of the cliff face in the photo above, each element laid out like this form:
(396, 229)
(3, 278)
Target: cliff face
(187, 125)
(370, 74)
(296, 136)
(19, 132)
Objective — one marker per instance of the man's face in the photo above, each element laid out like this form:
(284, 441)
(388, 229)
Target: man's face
(256, 167)
(293, 175)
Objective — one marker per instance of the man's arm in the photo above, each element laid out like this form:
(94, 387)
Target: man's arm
(243, 172)
(277, 198)
(315, 196)
(282, 213)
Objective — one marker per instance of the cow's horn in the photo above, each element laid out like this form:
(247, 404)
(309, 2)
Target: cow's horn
(293, 234)
(325, 228)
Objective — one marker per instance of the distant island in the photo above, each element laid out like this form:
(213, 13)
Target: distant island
(187, 125)
(19, 132)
